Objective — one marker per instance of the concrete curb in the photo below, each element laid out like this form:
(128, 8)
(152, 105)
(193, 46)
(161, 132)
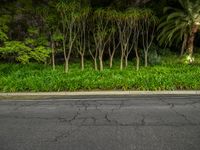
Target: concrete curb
(93, 93)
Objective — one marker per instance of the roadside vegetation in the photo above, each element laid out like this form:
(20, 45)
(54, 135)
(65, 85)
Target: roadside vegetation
(168, 75)
(70, 45)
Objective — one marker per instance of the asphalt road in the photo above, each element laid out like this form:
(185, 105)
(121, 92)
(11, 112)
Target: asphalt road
(101, 123)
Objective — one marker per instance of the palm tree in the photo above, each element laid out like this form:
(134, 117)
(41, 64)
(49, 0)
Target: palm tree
(180, 25)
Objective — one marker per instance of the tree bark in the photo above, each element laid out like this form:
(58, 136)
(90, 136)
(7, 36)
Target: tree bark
(95, 64)
(137, 63)
(191, 39)
(65, 57)
(184, 44)
(137, 59)
(66, 65)
(121, 62)
(146, 58)
(111, 61)
(126, 61)
(101, 63)
(53, 54)
(82, 62)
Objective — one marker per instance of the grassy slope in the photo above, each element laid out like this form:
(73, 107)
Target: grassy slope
(33, 77)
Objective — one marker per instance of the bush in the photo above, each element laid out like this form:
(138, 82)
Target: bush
(23, 53)
(38, 77)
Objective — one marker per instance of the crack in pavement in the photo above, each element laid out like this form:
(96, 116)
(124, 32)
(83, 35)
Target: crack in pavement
(105, 112)
(67, 134)
(69, 120)
(172, 107)
(143, 120)
(111, 121)
(63, 135)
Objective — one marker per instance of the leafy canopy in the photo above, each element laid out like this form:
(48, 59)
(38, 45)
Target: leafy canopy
(178, 21)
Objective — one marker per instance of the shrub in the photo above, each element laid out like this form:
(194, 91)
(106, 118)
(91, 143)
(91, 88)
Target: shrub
(39, 77)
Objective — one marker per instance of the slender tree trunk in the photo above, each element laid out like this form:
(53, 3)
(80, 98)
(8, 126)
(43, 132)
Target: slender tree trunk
(126, 61)
(82, 62)
(110, 56)
(101, 62)
(65, 57)
(137, 59)
(121, 62)
(95, 64)
(137, 63)
(184, 44)
(146, 58)
(67, 65)
(94, 57)
(111, 61)
(53, 54)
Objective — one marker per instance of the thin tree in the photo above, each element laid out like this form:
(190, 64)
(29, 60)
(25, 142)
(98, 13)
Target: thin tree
(50, 24)
(100, 33)
(82, 34)
(114, 43)
(125, 31)
(148, 26)
(133, 16)
(135, 23)
(68, 12)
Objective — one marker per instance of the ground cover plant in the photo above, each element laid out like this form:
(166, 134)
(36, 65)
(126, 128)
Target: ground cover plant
(40, 77)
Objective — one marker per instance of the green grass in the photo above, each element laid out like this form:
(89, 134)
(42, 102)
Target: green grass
(169, 75)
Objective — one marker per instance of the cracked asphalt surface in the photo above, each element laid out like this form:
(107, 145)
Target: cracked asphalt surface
(101, 123)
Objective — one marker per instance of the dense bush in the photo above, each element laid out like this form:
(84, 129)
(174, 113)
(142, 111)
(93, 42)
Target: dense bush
(34, 77)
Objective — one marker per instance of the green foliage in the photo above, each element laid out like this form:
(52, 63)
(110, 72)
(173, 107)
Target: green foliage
(164, 51)
(17, 49)
(186, 59)
(40, 53)
(3, 36)
(30, 42)
(32, 31)
(4, 21)
(178, 21)
(35, 27)
(160, 51)
(23, 53)
(57, 36)
(153, 56)
(35, 77)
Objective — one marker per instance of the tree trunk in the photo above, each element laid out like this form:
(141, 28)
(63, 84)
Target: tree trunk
(137, 59)
(101, 63)
(191, 44)
(111, 61)
(191, 40)
(66, 65)
(65, 57)
(53, 54)
(146, 58)
(137, 63)
(82, 62)
(126, 61)
(121, 62)
(184, 44)
(95, 64)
